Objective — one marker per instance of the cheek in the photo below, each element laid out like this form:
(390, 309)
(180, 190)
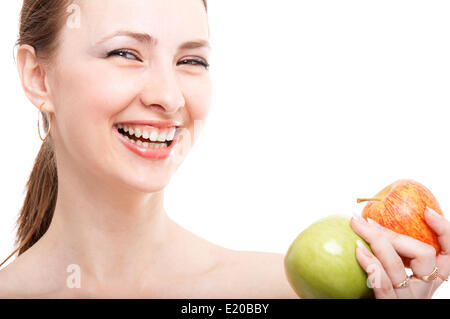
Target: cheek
(87, 99)
(198, 103)
(198, 95)
(98, 90)
(88, 96)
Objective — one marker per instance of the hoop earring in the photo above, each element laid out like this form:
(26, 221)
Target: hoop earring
(50, 124)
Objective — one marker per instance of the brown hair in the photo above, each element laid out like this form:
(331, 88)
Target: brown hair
(40, 24)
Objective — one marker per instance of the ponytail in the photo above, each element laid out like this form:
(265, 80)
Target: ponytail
(41, 191)
(40, 23)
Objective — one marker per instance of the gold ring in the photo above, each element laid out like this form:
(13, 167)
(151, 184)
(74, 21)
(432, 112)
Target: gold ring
(403, 284)
(432, 276)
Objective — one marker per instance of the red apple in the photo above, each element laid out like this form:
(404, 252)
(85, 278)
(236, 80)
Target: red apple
(400, 207)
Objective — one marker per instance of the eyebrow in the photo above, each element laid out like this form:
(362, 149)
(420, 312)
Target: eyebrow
(146, 38)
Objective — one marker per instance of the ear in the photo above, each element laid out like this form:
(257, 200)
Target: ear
(33, 77)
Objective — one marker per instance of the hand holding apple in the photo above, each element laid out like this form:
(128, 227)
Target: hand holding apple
(385, 264)
(400, 207)
(404, 233)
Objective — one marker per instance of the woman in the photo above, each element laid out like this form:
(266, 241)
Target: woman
(123, 85)
(102, 82)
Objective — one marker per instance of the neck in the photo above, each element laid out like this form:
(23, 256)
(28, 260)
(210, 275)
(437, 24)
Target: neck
(114, 233)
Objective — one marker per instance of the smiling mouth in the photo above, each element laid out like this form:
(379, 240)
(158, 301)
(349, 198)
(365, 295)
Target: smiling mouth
(150, 137)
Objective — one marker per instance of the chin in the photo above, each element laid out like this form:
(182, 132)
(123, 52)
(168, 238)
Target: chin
(151, 184)
(144, 175)
(148, 187)
(151, 188)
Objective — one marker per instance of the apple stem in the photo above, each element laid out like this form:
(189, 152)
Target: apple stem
(359, 200)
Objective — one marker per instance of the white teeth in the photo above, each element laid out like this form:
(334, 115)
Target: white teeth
(153, 145)
(162, 136)
(137, 133)
(171, 134)
(154, 136)
(147, 144)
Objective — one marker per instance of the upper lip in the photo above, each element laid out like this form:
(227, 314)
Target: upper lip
(154, 123)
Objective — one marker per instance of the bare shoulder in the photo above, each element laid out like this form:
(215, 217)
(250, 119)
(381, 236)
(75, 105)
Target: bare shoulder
(258, 274)
(20, 280)
(236, 273)
(6, 279)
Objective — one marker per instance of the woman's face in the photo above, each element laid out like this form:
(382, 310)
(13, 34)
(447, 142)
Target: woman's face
(107, 77)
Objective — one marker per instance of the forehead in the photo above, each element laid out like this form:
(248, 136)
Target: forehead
(168, 21)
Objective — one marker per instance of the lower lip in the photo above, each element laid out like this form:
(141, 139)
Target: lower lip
(147, 152)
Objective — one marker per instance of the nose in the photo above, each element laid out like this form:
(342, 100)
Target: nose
(161, 91)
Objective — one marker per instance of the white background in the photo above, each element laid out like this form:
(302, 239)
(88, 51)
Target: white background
(315, 103)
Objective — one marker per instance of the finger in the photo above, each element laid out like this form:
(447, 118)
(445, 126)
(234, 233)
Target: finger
(422, 255)
(377, 279)
(384, 252)
(441, 227)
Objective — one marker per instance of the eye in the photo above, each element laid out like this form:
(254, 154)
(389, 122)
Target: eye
(128, 54)
(199, 62)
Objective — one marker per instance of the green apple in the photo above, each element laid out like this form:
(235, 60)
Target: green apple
(321, 262)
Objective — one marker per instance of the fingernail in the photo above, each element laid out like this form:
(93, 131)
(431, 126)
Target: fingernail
(363, 248)
(374, 223)
(359, 219)
(433, 212)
